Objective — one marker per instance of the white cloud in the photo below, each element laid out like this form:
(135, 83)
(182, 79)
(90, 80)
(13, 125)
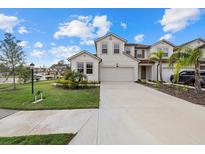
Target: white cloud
(38, 53)
(7, 23)
(38, 45)
(52, 43)
(22, 30)
(102, 24)
(139, 38)
(84, 27)
(84, 18)
(123, 25)
(87, 42)
(176, 19)
(75, 28)
(24, 43)
(166, 37)
(64, 51)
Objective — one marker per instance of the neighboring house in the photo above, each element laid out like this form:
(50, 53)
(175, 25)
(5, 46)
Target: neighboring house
(45, 73)
(118, 60)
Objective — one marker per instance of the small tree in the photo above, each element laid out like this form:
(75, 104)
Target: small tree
(187, 57)
(158, 56)
(177, 61)
(24, 73)
(193, 58)
(11, 54)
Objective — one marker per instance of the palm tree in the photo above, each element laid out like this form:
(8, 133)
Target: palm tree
(194, 56)
(158, 56)
(177, 61)
(187, 57)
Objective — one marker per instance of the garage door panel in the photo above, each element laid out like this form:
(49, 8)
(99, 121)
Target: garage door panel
(117, 74)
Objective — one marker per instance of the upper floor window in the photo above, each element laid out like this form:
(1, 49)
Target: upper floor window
(127, 50)
(140, 53)
(80, 67)
(89, 68)
(116, 48)
(166, 51)
(104, 48)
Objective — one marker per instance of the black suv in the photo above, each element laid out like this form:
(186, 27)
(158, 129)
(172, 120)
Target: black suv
(187, 77)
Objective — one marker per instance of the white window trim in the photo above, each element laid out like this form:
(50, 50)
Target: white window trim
(89, 68)
(104, 48)
(116, 43)
(83, 66)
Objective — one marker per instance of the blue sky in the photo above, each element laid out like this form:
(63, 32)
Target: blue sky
(50, 35)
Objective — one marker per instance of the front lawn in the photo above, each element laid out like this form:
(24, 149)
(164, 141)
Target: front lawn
(51, 139)
(55, 98)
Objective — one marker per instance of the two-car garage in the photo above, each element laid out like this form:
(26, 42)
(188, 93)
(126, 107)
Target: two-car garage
(117, 74)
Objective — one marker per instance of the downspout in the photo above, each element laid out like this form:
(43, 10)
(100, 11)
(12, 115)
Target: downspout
(157, 71)
(99, 71)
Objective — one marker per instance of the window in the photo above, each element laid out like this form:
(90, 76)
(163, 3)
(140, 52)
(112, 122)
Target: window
(89, 68)
(166, 52)
(128, 51)
(104, 48)
(116, 48)
(143, 53)
(139, 54)
(135, 53)
(80, 67)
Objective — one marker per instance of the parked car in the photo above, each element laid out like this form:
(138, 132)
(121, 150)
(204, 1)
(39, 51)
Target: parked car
(37, 77)
(188, 77)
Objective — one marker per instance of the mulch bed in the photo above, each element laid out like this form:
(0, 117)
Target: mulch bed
(182, 92)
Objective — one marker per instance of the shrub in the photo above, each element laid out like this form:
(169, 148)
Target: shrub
(74, 85)
(64, 81)
(157, 85)
(93, 82)
(84, 82)
(185, 88)
(74, 76)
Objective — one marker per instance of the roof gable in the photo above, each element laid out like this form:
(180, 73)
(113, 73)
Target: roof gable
(84, 52)
(110, 34)
(164, 41)
(198, 39)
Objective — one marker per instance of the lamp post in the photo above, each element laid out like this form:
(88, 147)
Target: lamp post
(32, 67)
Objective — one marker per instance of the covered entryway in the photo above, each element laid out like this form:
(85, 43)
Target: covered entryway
(145, 72)
(116, 74)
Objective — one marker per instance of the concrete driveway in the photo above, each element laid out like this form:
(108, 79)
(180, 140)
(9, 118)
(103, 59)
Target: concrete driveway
(134, 114)
(129, 114)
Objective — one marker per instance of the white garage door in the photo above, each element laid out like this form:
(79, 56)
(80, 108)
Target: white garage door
(117, 74)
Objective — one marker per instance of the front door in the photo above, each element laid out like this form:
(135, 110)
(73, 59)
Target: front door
(143, 72)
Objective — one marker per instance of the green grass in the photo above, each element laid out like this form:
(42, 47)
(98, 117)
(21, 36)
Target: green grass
(54, 98)
(51, 139)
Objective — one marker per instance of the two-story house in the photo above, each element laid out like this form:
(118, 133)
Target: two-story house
(118, 60)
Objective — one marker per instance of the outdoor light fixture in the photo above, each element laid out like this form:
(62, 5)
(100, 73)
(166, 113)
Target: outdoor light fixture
(32, 67)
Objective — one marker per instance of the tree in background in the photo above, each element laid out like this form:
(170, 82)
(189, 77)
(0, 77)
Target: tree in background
(158, 56)
(60, 67)
(11, 54)
(23, 73)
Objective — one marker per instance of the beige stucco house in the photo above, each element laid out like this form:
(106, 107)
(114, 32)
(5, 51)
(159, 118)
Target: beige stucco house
(118, 60)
